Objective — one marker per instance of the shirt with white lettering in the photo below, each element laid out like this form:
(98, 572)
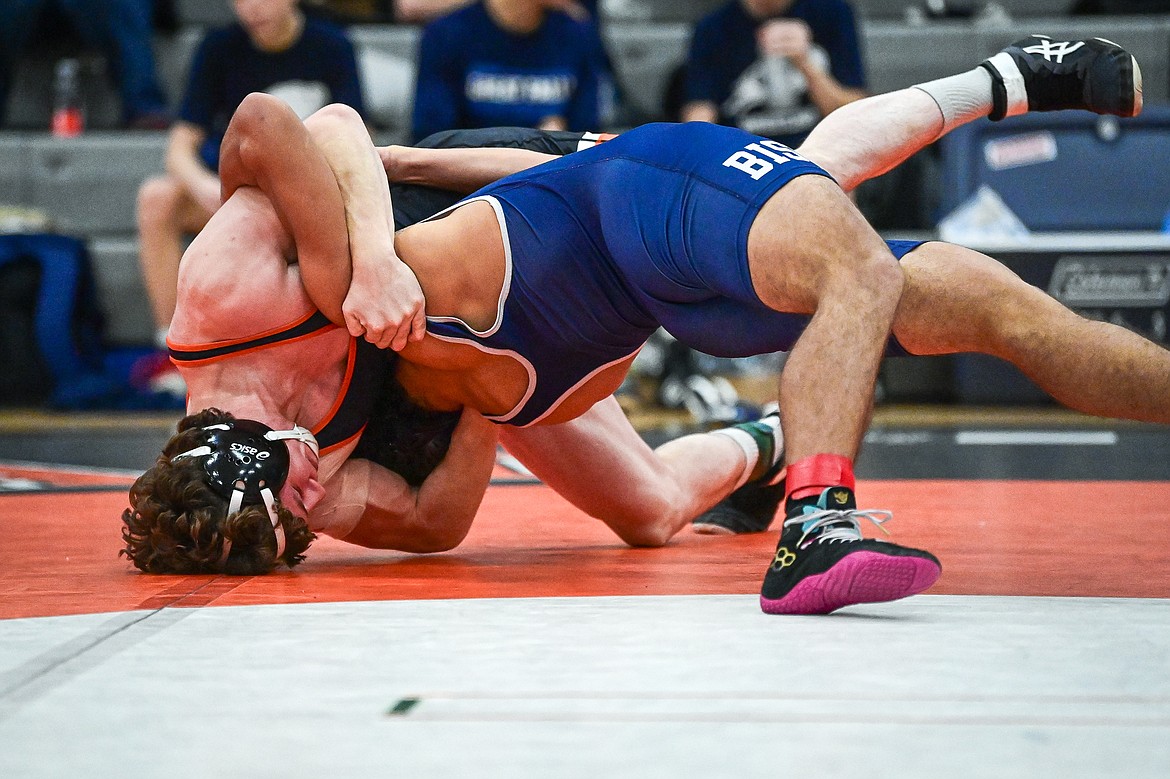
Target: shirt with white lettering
(472, 73)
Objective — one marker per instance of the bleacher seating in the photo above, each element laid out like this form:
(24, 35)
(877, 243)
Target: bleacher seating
(386, 57)
(88, 185)
(1016, 9)
(204, 13)
(655, 11)
(643, 58)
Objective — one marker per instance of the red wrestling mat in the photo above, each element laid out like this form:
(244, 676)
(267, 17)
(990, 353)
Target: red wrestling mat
(58, 551)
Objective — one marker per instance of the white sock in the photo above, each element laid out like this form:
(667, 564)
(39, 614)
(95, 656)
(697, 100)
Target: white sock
(751, 451)
(160, 337)
(962, 98)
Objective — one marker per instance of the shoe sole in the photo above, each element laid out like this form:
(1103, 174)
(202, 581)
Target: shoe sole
(862, 577)
(1137, 87)
(705, 529)
(1136, 100)
(730, 528)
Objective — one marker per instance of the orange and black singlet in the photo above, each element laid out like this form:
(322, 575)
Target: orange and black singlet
(366, 373)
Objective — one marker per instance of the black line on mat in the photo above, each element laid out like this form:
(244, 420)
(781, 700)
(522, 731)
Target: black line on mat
(403, 707)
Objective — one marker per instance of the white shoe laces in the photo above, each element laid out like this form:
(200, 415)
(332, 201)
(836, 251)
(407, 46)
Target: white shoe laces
(839, 525)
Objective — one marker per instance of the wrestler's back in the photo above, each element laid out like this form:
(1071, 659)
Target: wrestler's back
(235, 282)
(460, 264)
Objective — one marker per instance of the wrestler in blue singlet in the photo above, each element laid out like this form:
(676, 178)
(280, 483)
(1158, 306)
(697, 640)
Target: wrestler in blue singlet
(604, 245)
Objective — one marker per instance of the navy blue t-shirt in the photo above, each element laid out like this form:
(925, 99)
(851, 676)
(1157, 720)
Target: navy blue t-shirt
(767, 97)
(320, 68)
(472, 73)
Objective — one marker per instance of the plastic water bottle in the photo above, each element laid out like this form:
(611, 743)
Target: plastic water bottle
(68, 110)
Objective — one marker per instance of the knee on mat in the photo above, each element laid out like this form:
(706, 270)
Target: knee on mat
(648, 527)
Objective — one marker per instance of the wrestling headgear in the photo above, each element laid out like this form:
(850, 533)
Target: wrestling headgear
(247, 462)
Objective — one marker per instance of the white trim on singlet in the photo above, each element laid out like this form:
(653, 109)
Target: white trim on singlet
(507, 285)
(507, 353)
(524, 361)
(567, 393)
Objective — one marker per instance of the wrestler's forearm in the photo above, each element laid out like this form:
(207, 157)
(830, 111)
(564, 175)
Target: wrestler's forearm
(436, 516)
(266, 146)
(864, 139)
(343, 139)
(457, 170)
(384, 303)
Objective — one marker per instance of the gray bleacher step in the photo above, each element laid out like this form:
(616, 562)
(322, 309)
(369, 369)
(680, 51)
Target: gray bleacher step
(205, 13)
(89, 184)
(644, 56)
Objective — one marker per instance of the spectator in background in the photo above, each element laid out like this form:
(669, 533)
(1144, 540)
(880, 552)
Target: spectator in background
(121, 29)
(524, 63)
(272, 48)
(423, 11)
(773, 67)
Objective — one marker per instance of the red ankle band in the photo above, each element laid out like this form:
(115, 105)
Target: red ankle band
(810, 475)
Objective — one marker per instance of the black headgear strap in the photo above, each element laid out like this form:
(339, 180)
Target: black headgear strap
(247, 463)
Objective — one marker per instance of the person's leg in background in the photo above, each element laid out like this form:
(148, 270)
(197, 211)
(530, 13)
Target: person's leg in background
(18, 18)
(166, 214)
(123, 29)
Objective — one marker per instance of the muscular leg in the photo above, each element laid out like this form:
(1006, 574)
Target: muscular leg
(811, 251)
(958, 300)
(599, 464)
(869, 137)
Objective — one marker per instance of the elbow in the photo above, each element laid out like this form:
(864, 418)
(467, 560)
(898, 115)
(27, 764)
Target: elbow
(248, 126)
(432, 538)
(649, 537)
(337, 123)
(337, 112)
(254, 112)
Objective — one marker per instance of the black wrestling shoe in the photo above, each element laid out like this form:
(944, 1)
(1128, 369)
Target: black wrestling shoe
(752, 507)
(823, 563)
(1040, 74)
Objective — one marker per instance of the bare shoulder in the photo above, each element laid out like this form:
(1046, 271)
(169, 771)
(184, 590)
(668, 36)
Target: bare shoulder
(236, 278)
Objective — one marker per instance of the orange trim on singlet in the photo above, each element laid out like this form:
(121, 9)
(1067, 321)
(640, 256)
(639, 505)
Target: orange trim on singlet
(350, 361)
(339, 444)
(178, 347)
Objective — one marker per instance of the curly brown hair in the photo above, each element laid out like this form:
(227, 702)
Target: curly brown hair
(177, 524)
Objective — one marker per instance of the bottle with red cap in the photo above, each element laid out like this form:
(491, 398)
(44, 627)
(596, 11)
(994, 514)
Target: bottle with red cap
(68, 108)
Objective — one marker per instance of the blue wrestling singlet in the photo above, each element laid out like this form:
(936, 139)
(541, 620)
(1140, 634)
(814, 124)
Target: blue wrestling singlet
(604, 245)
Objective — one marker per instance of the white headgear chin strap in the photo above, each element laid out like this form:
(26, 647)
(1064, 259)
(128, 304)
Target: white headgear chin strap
(297, 433)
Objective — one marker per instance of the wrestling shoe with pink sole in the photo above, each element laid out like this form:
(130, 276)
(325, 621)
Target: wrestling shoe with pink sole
(823, 563)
